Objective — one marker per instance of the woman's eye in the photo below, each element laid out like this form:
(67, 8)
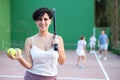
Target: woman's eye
(39, 19)
(45, 19)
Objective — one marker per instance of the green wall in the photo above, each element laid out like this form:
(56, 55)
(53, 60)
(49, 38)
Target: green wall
(74, 18)
(4, 24)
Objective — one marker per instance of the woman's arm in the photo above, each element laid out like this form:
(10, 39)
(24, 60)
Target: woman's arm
(27, 62)
(61, 52)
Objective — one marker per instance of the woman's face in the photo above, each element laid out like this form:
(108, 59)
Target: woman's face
(43, 22)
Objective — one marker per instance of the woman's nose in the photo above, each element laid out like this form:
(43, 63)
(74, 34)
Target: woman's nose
(43, 21)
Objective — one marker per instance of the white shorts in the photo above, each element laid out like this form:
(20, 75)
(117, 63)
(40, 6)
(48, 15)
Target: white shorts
(92, 45)
(80, 52)
(104, 47)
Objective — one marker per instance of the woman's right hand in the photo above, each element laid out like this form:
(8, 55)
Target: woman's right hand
(16, 56)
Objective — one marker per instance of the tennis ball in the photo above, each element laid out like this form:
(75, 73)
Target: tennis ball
(19, 50)
(12, 51)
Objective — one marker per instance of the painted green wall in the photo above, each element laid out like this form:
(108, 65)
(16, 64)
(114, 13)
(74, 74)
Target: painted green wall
(74, 18)
(4, 24)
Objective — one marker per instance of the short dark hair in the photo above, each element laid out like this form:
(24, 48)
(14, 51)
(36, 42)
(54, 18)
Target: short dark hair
(40, 12)
(82, 37)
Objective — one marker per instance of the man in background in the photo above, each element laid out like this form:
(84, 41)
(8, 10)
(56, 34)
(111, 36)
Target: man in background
(103, 42)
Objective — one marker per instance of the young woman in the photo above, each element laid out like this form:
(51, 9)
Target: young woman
(40, 58)
(81, 50)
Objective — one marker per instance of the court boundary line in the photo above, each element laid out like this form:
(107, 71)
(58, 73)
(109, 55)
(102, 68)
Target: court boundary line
(101, 66)
(11, 76)
(61, 78)
(71, 78)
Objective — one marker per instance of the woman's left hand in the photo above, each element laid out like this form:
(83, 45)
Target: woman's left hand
(56, 40)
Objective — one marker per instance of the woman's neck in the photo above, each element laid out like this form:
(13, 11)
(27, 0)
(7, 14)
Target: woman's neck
(44, 34)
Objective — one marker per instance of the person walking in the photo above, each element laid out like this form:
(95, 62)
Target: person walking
(92, 43)
(103, 42)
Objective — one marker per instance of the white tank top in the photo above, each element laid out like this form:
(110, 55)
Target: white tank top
(80, 45)
(44, 62)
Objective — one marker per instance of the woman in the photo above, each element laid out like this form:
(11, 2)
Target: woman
(40, 58)
(81, 50)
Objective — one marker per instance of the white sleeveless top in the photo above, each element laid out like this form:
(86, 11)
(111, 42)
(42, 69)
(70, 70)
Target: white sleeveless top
(44, 62)
(80, 45)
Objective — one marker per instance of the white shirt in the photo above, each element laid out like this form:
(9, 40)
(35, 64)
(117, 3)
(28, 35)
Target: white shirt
(80, 45)
(44, 62)
(92, 40)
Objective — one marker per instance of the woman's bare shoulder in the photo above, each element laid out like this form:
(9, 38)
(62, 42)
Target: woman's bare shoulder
(60, 37)
(29, 39)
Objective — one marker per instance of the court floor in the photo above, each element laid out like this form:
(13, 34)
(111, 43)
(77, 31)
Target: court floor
(96, 69)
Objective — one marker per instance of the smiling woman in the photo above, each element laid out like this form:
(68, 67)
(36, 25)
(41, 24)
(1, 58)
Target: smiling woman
(40, 57)
(43, 22)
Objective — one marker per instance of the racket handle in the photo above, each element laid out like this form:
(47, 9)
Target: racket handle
(55, 47)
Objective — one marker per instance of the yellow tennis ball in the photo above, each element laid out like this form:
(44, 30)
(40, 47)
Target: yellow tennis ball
(19, 50)
(12, 51)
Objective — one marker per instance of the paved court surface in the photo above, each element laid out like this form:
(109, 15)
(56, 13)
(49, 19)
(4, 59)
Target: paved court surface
(95, 69)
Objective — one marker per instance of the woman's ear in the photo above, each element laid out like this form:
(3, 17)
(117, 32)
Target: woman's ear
(50, 22)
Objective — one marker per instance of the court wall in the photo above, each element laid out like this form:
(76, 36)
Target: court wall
(5, 30)
(73, 19)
